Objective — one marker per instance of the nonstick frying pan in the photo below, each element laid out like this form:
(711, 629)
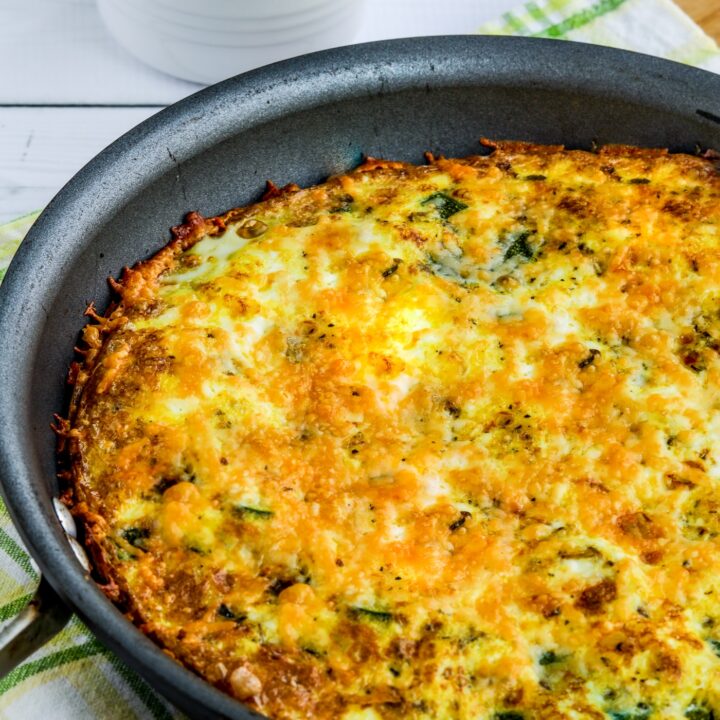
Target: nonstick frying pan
(297, 121)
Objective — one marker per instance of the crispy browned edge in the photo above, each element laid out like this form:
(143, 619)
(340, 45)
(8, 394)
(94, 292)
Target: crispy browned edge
(132, 291)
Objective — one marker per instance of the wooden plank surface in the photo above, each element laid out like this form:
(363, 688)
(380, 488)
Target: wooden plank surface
(705, 13)
(42, 148)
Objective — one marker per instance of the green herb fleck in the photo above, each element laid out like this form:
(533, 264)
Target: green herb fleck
(136, 536)
(509, 715)
(549, 657)
(698, 712)
(640, 712)
(376, 615)
(225, 612)
(245, 511)
(520, 247)
(198, 550)
(313, 652)
(715, 645)
(444, 204)
(535, 177)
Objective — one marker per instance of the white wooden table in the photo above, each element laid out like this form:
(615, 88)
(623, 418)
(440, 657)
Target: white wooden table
(67, 90)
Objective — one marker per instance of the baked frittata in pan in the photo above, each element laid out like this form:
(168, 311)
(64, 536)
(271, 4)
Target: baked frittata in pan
(428, 441)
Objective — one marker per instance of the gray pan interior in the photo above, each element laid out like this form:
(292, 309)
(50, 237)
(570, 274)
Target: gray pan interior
(299, 121)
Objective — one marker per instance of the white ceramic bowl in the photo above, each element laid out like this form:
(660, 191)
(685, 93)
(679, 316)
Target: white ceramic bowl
(159, 11)
(210, 31)
(243, 8)
(192, 39)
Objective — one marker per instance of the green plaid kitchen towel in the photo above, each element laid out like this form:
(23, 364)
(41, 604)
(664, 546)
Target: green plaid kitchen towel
(74, 676)
(655, 27)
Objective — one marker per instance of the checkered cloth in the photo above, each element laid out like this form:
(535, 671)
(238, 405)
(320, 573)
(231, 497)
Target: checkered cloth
(74, 676)
(655, 27)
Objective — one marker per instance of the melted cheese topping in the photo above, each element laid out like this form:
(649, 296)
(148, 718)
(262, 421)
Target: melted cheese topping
(434, 442)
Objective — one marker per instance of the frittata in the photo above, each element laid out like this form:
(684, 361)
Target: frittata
(422, 442)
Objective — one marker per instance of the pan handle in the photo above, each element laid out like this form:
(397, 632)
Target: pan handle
(41, 619)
